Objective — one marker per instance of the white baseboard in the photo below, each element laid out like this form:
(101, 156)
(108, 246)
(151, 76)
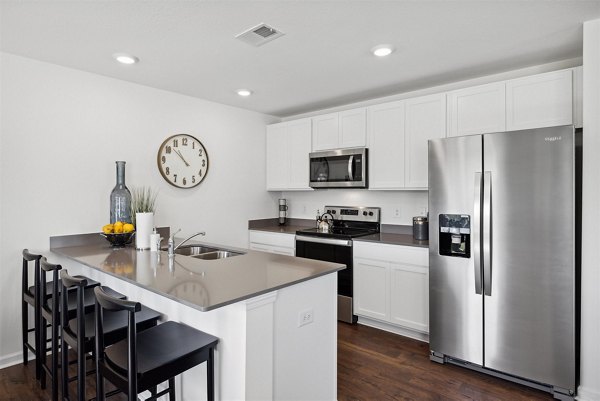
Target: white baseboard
(417, 335)
(587, 394)
(13, 359)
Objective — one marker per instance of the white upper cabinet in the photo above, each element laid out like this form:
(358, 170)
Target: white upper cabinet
(425, 119)
(578, 97)
(477, 110)
(346, 129)
(386, 145)
(288, 147)
(542, 100)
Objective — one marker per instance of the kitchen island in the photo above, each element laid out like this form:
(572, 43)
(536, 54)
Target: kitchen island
(274, 315)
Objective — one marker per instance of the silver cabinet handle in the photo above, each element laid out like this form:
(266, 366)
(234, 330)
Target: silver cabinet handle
(350, 163)
(487, 233)
(475, 232)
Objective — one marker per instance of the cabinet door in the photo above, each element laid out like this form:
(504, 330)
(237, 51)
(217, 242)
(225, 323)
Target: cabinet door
(386, 145)
(353, 128)
(371, 295)
(325, 132)
(542, 100)
(425, 120)
(277, 160)
(409, 296)
(272, 249)
(299, 140)
(477, 110)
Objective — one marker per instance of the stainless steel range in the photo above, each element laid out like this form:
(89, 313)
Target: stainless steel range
(335, 245)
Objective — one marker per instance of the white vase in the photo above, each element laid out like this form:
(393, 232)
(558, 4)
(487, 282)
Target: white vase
(144, 223)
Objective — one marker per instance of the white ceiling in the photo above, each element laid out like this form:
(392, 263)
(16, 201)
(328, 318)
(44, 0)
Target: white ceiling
(322, 61)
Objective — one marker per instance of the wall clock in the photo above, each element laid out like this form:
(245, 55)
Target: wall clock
(182, 161)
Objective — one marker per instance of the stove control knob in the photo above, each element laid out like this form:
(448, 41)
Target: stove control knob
(333, 212)
(328, 211)
(370, 213)
(364, 213)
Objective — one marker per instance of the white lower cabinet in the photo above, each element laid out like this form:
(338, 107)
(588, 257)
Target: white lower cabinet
(391, 284)
(281, 243)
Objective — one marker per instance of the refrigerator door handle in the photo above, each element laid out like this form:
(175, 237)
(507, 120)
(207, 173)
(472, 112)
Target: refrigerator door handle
(487, 233)
(475, 232)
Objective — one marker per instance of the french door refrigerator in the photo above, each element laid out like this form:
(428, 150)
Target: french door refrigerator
(502, 276)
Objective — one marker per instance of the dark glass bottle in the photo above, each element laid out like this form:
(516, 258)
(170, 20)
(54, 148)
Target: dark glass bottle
(120, 198)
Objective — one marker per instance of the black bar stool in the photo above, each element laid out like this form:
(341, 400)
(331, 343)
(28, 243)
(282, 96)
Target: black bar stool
(50, 315)
(32, 296)
(150, 357)
(29, 299)
(78, 333)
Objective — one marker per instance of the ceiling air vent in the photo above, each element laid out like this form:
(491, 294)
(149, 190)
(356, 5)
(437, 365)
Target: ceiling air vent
(259, 35)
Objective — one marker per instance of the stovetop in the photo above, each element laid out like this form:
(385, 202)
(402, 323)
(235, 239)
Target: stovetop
(338, 232)
(347, 223)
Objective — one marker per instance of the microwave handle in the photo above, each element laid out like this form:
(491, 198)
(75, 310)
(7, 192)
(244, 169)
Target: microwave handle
(350, 165)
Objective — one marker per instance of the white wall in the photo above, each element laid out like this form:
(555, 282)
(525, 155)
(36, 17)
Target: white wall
(304, 204)
(590, 258)
(61, 132)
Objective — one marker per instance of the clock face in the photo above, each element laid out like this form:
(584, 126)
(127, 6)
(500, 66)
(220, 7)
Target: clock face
(182, 161)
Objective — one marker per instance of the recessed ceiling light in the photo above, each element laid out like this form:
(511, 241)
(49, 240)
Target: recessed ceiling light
(382, 50)
(125, 58)
(244, 92)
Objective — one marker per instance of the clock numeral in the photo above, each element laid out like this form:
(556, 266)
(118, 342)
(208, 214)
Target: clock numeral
(168, 150)
(174, 177)
(203, 162)
(184, 181)
(175, 143)
(193, 145)
(193, 179)
(184, 141)
(164, 159)
(200, 173)
(167, 171)
(199, 152)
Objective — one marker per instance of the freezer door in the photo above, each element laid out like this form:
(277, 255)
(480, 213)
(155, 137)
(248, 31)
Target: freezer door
(455, 307)
(528, 240)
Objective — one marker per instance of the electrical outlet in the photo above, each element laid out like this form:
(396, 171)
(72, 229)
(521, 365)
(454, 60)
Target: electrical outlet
(397, 213)
(305, 317)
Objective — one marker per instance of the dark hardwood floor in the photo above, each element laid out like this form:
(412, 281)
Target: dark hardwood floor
(372, 365)
(376, 365)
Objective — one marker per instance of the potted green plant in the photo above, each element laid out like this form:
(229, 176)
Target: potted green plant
(143, 206)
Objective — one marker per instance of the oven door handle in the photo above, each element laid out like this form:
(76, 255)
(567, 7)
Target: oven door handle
(328, 241)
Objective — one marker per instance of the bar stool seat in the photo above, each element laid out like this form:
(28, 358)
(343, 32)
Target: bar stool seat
(31, 290)
(89, 302)
(115, 326)
(163, 351)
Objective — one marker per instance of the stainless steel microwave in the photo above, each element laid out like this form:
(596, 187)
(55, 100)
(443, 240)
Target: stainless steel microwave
(341, 168)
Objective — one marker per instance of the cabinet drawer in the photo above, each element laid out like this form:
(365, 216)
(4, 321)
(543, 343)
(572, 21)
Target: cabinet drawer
(404, 254)
(273, 239)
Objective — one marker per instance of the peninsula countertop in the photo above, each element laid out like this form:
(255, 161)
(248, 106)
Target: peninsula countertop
(201, 284)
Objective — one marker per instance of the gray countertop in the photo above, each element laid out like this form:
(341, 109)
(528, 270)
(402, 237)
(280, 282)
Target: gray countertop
(390, 234)
(201, 284)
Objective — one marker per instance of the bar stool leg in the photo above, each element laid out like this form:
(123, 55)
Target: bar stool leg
(64, 354)
(24, 327)
(54, 355)
(172, 389)
(42, 351)
(210, 375)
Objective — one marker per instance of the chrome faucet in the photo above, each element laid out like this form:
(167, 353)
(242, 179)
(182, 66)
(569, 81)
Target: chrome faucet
(172, 248)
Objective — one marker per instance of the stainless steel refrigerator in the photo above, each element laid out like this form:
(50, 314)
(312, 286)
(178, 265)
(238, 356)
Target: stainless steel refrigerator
(503, 272)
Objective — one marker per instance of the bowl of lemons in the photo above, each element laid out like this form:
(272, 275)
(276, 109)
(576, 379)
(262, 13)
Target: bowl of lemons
(119, 233)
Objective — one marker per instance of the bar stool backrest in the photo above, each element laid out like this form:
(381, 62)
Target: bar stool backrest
(30, 257)
(69, 282)
(109, 303)
(54, 268)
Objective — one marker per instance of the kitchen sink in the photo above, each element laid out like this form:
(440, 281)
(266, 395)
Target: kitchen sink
(192, 250)
(217, 254)
(204, 252)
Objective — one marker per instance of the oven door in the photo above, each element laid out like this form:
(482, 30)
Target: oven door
(337, 251)
(340, 168)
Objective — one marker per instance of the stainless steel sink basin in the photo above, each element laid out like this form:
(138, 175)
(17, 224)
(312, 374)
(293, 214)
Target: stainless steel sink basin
(192, 250)
(217, 254)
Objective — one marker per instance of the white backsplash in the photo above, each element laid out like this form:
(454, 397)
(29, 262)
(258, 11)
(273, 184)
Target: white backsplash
(408, 204)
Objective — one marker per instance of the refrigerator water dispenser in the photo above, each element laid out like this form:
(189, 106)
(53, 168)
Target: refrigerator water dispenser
(455, 235)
